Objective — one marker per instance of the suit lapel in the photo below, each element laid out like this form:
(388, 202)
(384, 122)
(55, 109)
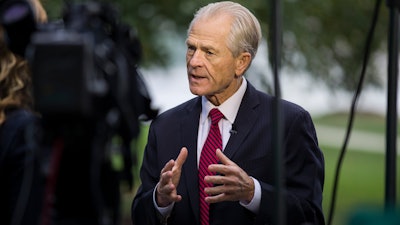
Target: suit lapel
(246, 118)
(189, 131)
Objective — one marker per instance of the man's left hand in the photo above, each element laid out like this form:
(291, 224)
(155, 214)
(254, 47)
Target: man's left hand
(233, 183)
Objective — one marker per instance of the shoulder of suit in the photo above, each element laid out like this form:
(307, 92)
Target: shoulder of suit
(182, 109)
(286, 105)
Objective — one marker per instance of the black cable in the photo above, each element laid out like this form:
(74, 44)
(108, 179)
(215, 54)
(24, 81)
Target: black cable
(353, 108)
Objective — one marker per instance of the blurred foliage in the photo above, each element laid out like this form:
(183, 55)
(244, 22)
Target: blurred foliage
(324, 38)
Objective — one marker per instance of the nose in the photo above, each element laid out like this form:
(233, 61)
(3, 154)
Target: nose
(195, 59)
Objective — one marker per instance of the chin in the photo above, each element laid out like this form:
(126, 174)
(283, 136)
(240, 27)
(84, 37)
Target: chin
(196, 91)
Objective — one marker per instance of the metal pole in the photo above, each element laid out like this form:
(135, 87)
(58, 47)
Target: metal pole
(391, 119)
(276, 39)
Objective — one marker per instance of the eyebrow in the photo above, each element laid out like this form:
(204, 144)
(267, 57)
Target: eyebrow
(203, 47)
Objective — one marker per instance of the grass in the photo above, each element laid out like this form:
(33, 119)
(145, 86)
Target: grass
(365, 122)
(362, 178)
(361, 183)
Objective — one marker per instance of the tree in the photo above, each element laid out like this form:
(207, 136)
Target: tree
(324, 38)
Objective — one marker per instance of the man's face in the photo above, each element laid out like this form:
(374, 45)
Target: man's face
(211, 67)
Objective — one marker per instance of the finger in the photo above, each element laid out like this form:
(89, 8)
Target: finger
(166, 174)
(166, 178)
(223, 193)
(177, 198)
(224, 170)
(219, 169)
(223, 159)
(166, 188)
(181, 157)
(166, 195)
(216, 190)
(169, 192)
(168, 166)
(217, 198)
(216, 180)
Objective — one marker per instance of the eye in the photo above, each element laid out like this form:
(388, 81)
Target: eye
(210, 52)
(191, 49)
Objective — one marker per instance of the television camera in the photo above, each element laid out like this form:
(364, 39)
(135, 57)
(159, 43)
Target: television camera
(90, 94)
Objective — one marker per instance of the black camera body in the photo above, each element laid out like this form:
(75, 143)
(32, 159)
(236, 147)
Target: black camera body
(87, 66)
(65, 80)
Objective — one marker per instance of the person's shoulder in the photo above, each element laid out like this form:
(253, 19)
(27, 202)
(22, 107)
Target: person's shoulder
(292, 107)
(267, 98)
(288, 107)
(181, 110)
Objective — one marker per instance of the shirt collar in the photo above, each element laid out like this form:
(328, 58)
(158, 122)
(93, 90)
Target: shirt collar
(229, 108)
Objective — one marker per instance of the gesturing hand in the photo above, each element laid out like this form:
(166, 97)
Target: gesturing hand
(234, 185)
(169, 180)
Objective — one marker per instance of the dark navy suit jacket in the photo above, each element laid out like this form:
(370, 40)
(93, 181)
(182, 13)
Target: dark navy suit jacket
(250, 148)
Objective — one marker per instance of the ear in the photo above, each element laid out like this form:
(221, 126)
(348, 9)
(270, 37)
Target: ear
(242, 63)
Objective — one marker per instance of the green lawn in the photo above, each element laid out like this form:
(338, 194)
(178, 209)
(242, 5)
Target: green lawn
(361, 182)
(362, 177)
(365, 122)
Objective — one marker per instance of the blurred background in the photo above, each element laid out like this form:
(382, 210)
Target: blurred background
(323, 48)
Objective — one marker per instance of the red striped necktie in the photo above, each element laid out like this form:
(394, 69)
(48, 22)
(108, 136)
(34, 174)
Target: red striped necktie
(207, 157)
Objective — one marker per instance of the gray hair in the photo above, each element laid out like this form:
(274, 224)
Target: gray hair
(245, 34)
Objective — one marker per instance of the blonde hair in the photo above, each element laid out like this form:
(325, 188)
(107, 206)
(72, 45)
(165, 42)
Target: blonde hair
(245, 34)
(15, 81)
(15, 77)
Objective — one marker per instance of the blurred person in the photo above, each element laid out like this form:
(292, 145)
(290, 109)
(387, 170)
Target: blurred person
(238, 186)
(21, 186)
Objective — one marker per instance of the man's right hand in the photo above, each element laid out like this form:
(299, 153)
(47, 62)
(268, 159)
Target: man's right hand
(169, 180)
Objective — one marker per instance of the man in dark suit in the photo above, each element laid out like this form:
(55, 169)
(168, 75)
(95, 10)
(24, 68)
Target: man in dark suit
(222, 41)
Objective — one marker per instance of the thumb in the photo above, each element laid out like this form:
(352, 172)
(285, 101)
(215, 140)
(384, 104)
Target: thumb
(223, 158)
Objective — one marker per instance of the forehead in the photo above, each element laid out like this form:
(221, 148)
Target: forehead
(213, 30)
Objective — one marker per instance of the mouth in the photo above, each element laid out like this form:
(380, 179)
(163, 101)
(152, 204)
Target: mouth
(196, 77)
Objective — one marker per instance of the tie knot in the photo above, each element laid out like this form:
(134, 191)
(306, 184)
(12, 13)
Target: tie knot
(215, 115)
